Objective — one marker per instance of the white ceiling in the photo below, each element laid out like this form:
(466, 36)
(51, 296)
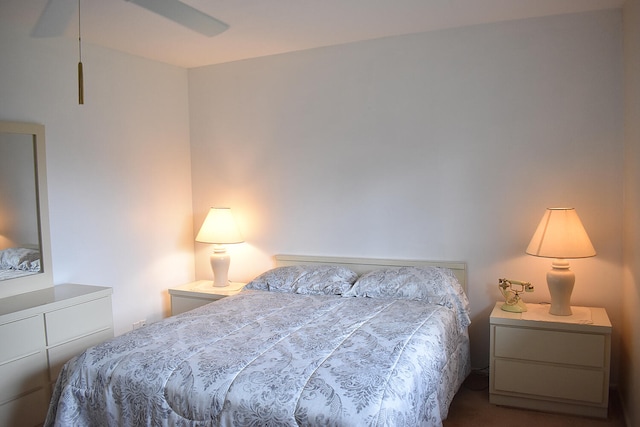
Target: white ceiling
(267, 27)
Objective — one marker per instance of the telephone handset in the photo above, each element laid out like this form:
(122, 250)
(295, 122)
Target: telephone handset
(511, 290)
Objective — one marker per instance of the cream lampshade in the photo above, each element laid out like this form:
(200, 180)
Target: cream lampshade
(219, 228)
(560, 235)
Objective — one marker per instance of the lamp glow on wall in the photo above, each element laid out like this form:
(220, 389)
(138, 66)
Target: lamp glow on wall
(219, 228)
(560, 235)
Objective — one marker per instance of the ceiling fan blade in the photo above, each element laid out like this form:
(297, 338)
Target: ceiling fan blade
(184, 15)
(55, 18)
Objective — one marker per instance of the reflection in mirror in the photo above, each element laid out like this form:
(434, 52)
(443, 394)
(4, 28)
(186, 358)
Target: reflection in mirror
(24, 224)
(19, 232)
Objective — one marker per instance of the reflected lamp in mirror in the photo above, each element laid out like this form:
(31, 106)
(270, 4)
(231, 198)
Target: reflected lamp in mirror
(560, 235)
(220, 229)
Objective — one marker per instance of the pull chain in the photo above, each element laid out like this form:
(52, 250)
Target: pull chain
(80, 71)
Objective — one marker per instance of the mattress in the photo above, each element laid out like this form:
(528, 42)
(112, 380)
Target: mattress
(264, 358)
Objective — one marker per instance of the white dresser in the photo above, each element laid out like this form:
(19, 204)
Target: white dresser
(551, 363)
(39, 332)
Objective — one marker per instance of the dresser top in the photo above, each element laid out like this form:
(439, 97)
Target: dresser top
(48, 299)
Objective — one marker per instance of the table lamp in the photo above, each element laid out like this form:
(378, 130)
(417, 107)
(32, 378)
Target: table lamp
(560, 235)
(219, 228)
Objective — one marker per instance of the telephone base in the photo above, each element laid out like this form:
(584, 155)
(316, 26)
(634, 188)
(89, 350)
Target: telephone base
(520, 307)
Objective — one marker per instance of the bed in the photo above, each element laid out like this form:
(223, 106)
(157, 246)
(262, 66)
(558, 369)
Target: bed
(315, 341)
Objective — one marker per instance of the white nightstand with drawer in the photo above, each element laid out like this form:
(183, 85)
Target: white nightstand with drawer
(551, 363)
(196, 294)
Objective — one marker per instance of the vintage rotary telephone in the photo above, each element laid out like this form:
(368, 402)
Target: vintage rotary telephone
(511, 291)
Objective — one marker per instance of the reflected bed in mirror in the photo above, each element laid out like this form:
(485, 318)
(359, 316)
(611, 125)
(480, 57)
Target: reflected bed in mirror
(25, 253)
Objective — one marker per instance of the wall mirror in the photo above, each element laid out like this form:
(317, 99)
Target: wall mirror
(25, 247)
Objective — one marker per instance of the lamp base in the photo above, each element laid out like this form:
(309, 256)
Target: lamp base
(560, 281)
(220, 261)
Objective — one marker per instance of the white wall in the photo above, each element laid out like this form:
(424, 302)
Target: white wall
(446, 145)
(630, 348)
(118, 166)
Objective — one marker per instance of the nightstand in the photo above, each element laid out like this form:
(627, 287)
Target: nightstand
(551, 363)
(196, 294)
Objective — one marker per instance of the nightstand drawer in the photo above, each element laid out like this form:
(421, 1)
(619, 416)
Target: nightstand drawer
(196, 294)
(78, 320)
(180, 304)
(550, 346)
(553, 381)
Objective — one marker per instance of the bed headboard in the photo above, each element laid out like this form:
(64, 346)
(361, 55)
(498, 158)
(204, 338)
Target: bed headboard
(364, 265)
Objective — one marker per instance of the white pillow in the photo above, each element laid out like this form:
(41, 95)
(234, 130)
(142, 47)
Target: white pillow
(435, 285)
(306, 279)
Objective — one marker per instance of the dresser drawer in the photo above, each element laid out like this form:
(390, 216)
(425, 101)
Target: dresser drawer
(22, 375)
(550, 381)
(21, 337)
(60, 354)
(78, 320)
(550, 346)
(28, 410)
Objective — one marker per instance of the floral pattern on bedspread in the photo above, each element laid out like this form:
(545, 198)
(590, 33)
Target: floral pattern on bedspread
(261, 358)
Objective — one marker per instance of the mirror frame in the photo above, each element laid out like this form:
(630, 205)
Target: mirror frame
(43, 279)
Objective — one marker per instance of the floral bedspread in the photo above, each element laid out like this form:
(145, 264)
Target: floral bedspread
(273, 359)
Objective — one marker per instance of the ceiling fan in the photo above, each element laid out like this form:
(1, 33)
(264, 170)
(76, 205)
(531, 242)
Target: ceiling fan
(57, 15)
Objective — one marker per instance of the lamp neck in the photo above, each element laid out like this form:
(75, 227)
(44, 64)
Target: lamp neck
(219, 249)
(560, 263)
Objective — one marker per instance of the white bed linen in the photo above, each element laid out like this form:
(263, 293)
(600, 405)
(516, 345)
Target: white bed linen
(264, 358)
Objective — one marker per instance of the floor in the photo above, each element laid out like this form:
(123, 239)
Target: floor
(471, 407)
